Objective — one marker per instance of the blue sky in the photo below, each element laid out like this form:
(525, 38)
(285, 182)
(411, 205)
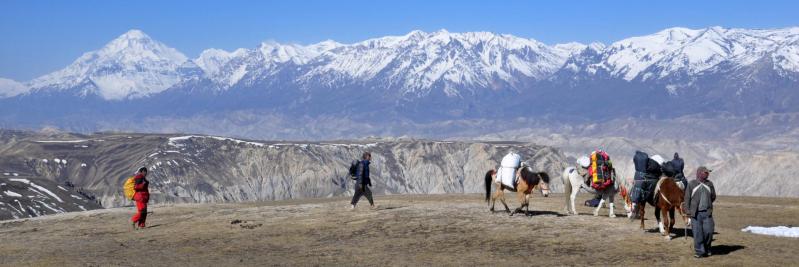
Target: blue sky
(42, 36)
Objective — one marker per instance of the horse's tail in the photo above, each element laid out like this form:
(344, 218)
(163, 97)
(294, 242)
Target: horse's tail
(488, 184)
(567, 185)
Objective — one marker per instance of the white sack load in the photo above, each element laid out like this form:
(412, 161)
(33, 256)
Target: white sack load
(584, 162)
(658, 159)
(506, 174)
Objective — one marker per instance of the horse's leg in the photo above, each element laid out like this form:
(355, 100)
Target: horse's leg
(502, 199)
(520, 196)
(609, 193)
(575, 190)
(664, 213)
(658, 212)
(494, 199)
(567, 191)
(671, 219)
(601, 201)
(642, 212)
(527, 204)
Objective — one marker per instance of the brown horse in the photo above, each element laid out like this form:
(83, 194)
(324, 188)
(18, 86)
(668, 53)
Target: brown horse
(526, 181)
(667, 197)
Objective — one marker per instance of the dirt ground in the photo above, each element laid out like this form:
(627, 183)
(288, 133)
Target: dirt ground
(409, 230)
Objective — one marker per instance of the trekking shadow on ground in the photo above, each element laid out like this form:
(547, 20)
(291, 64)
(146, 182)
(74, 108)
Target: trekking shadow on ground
(725, 249)
(677, 232)
(533, 213)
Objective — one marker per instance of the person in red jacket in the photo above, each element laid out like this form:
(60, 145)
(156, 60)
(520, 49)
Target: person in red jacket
(142, 196)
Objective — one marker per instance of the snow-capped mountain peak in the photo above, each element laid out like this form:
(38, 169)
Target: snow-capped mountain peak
(10, 88)
(683, 51)
(212, 60)
(130, 66)
(135, 46)
(135, 65)
(419, 62)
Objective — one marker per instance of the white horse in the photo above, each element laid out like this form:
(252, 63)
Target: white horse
(573, 181)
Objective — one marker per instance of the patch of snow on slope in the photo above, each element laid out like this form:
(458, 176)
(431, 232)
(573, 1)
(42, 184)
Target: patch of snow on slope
(12, 194)
(37, 187)
(174, 141)
(782, 231)
(61, 141)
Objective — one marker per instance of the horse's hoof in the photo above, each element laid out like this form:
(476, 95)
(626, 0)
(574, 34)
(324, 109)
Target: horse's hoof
(596, 214)
(668, 238)
(612, 216)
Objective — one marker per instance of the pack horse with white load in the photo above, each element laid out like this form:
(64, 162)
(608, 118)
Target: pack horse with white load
(515, 176)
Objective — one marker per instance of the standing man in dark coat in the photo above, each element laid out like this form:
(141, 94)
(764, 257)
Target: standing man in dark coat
(699, 197)
(362, 181)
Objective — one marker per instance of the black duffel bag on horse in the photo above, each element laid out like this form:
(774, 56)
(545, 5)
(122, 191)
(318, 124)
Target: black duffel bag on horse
(679, 168)
(669, 170)
(647, 173)
(639, 160)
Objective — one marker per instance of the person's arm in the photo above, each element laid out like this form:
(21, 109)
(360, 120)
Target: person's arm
(370, 177)
(712, 192)
(686, 204)
(359, 173)
(138, 184)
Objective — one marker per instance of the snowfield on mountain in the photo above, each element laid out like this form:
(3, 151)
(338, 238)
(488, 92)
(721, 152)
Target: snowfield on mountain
(398, 85)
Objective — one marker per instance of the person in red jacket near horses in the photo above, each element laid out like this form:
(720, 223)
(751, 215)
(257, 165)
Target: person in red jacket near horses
(142, 196)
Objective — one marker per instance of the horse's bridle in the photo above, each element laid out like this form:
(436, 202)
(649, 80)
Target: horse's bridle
(545, 191)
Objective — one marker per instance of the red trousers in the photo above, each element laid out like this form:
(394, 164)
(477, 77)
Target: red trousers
(141, 213)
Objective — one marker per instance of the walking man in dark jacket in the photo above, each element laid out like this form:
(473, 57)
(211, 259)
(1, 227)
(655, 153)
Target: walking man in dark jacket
(699, 197)
(362, 181)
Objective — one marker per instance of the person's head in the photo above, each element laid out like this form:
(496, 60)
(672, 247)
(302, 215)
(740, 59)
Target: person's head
(702, 173)
(367, 156)
(142, 171)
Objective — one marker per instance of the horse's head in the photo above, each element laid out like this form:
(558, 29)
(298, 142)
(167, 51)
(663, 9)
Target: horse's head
(544, 184)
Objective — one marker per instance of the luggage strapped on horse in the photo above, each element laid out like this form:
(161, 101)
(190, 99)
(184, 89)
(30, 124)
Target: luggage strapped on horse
(506, 173)
(601, 170)
(647, 174)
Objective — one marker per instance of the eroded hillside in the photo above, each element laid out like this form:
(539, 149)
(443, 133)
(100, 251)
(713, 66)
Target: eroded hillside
(188, 169)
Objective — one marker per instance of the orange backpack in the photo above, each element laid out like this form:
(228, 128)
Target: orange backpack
(127, 188)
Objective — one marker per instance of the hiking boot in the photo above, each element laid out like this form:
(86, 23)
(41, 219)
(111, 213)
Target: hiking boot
(374, 207)
(352, 207)
(697, 256)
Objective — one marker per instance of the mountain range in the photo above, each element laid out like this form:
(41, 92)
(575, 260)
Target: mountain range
(430, 79)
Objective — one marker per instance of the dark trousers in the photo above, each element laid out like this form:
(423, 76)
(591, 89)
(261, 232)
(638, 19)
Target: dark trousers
(362, 190)
(703, 226)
